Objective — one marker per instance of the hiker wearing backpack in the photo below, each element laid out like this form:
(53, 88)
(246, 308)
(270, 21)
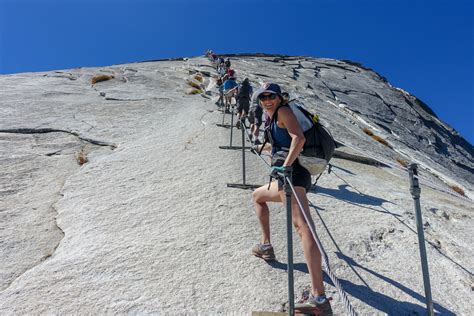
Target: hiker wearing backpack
(243, 99)
(220, 86)
(255, 119)
(230, 74)
(287, 141)
(227, 63)
(221, 70)
(230, 90)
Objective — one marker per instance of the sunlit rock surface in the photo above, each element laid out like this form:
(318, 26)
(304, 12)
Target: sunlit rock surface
(113, 196)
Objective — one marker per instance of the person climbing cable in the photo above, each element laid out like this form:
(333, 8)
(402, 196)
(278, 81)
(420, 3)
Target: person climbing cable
(243, 99)
(221, 70)
(230, 74)
(220, 86)
(287, 141)
(230, 89)
(255, 119)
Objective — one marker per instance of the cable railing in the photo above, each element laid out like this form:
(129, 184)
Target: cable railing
(415, 179)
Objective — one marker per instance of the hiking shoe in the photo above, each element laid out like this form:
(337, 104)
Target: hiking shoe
(318, 306)
(257, 142)
(237, 124)
(264, 251)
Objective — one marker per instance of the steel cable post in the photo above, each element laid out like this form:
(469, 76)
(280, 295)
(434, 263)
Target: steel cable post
(244, 184)
(288, 190)
(415, 191)
(224, 109)
(289, 238)
(347, 304)
(231, 125)
(243, 152)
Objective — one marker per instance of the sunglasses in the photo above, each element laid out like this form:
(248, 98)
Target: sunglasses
(264, 97)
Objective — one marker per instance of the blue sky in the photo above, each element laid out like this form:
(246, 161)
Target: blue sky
(423, 47)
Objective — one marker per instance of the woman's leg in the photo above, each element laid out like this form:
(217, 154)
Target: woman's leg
(310, 249)
(260, 197)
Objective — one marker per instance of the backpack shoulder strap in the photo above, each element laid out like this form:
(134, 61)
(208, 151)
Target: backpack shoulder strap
(275, 115)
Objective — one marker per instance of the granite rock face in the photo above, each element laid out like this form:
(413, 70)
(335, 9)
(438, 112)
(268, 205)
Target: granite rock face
(113, 195)
(369, 101)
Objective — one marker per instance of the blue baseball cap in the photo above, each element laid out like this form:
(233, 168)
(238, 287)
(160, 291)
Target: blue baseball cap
(268, 88)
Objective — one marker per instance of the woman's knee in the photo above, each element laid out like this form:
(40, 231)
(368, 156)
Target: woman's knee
(263, 195)
(258, 197)
(254, 197)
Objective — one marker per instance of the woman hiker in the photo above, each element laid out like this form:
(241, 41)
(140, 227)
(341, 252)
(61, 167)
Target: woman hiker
(287, 133)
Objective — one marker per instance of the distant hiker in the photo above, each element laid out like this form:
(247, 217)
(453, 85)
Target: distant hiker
(220, 66)
(213, 57)
(230, 74)
(227, 63)
(220, 86)
(255, 119)
(243, 99)
(230, 84)
(230, 89)
(287, 140)
(222, 71)
(209, 54)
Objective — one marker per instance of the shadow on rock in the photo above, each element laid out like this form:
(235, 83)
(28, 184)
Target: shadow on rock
(343, 194)
(383, 302)
(377, 300)
(302, 267)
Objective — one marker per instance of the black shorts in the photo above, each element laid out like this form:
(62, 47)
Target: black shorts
(258, 116)
(244, 105)
(300, 177)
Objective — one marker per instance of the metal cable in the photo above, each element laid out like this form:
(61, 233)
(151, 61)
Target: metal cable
(423, 180)
(347, 304)
(253, 144)
(349, 308)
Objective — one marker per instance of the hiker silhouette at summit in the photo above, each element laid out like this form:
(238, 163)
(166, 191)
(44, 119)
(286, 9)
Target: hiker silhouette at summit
(287, 141)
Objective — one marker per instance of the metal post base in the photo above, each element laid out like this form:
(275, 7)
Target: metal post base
(232, 147)
(243, 186)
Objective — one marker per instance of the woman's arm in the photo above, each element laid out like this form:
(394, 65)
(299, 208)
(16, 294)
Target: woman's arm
(288, 120)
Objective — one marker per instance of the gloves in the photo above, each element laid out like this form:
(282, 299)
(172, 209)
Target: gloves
(276, 171)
